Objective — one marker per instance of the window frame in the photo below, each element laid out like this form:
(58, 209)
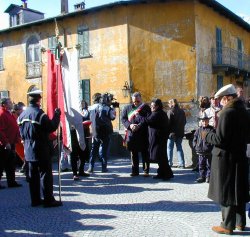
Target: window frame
(84, 42)
(85, 90)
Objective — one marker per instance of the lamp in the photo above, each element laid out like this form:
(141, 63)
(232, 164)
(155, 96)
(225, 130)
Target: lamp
(126, 89)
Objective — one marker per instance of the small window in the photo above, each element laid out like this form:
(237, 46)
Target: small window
(52, 44)
(4, 94)
(1, 56)
(83, 40)
(85, 90)
(33, 50)
(219, 82)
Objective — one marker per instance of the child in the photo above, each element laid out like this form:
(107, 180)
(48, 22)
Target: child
(203, 149)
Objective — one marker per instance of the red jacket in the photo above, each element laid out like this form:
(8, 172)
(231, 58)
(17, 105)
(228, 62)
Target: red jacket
(9, 131)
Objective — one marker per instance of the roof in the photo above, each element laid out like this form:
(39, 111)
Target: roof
(210, 3)
(13, 6)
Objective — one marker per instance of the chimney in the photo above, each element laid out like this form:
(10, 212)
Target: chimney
(64, 6)
(79, 6)
(24, 3)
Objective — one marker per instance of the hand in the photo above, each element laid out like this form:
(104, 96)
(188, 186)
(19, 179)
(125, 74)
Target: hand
(203, 135)
(8, 146)
(135, 128)
(172, 135)
(58, 111)
(132, 127)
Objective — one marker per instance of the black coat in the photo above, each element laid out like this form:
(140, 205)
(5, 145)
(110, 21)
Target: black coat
(136, 141)
(229, 172)
(158, 131)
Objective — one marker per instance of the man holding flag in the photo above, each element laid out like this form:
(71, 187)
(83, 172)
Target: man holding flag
(136, 140)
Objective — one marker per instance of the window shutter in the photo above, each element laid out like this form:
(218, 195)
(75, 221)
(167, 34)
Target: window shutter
(86, 90)
(1, 56)
(83, 40)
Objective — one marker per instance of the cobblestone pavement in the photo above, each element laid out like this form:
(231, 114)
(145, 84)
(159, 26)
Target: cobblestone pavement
(114, 204)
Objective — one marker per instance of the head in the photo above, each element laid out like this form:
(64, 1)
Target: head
(18, 108)
(226, 94)
(173, 103)
(240, 92)
(136, 98)
(84, 104)
(205, 122)
(156, 104)
(96, 98)
(6, 103)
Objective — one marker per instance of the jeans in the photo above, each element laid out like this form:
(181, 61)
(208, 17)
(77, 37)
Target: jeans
(170, 149)
(103, 144)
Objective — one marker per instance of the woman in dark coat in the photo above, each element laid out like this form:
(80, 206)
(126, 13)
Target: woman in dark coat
(229, 172)
(158, 131)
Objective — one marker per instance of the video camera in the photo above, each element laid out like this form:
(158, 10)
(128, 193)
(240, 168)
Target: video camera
(108, 99)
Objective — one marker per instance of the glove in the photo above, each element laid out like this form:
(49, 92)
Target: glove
(57, 112)
(172, 136)
(8, 146)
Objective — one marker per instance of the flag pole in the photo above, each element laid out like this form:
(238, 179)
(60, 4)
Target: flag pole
(58, 58)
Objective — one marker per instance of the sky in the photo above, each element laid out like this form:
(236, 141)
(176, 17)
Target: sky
(52, 7)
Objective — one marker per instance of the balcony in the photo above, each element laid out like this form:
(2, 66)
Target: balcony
(230, 61)
(33, 70)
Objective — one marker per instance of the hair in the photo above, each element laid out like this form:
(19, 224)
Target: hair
(157, 102)
(136, 94)
(4, 101)
(85, 104)
(174, 102)
(96, 97)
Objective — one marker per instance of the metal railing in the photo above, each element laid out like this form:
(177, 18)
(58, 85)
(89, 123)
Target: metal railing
(33, 70)
(230, 57)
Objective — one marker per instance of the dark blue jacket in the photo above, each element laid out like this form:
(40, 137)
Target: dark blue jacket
(35, 127)
(199, 144)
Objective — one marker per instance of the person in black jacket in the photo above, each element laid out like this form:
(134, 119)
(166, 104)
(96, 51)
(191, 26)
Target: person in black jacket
(158, 132)
(35, 127)
(203, 149)
(229, 185)
(137, 141)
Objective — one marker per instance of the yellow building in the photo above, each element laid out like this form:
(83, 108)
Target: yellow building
(165, 49)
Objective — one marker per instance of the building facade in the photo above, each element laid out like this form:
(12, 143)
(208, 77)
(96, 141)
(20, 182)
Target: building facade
(165, 49)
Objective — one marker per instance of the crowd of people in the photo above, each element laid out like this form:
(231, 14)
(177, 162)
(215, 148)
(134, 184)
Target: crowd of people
(219, 144)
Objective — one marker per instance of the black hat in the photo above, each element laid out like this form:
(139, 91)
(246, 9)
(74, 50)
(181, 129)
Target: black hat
(204, 117)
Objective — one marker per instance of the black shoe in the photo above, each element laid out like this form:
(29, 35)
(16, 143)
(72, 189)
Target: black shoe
(83, 174)
(14, 185)
(134, 174)
(207, 179)
(52, 204)
(200, 180)
(181, 167)
(195, 169)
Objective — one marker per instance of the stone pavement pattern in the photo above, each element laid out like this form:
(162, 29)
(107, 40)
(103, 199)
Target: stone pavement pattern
(115, 204)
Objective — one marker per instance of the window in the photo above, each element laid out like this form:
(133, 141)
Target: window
(83, 40)
(4, 94)
(85, 90)
(33, 55)
(52, 42)
(218, 46)
(1, 56)
(219, 82)
(240, 54)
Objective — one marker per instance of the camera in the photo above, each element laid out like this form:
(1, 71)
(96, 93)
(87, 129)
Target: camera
(109, 100)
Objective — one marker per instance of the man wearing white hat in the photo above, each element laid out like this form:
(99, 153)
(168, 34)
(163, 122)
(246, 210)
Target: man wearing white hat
(35, 127)
(229, 172)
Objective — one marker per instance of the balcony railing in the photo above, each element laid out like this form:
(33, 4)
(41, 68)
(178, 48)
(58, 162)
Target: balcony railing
(33, 70)
(230, 58)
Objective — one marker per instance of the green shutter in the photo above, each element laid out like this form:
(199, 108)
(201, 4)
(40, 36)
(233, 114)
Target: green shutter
(83, 40)
(86, 90)
(1, 56)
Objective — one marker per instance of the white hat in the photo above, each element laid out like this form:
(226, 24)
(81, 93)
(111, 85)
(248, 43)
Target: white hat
(34, 91)
(225, 90)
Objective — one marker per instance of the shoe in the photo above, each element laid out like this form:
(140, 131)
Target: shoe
(14, 185)
(146, 175)
(195, 169)
(104, 170)
(240, 228)
(53, 204)
(83, 174)
(22, 170)
(200, 180)
(75, 178)
(90, 170)
(181, 167)
(134, 174)
(207, 179)
(221, 230)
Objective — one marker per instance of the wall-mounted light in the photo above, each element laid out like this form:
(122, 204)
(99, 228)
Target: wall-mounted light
(126, 89)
